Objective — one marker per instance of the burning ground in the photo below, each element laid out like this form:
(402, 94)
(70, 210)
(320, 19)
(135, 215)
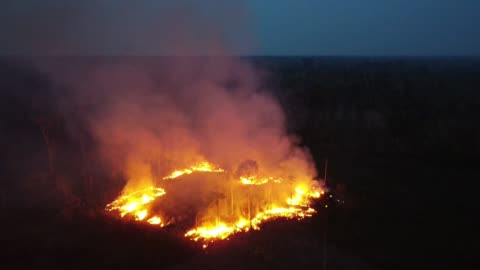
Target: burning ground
(216, 211)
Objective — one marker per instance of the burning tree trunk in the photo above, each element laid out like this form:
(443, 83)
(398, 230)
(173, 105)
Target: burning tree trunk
(232, 210)
(249, 207)
(248, 170)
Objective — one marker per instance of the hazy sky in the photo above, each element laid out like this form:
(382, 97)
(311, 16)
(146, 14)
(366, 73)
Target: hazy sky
(368, 27)
(261, 27)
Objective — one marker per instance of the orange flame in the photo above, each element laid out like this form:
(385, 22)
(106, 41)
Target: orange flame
(200, 167)
(137, 204)
(296, 205)
(297, 209)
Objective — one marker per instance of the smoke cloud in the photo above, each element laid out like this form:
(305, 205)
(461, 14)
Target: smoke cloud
(152, 115)
(151, 118)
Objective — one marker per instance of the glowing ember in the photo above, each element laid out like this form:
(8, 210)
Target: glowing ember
(155, 220)
(251, 201)
(201, 167)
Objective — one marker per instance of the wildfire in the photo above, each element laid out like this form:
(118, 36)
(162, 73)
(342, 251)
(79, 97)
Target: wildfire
(297, 209)
(253, 180)
(137, 204)
(299, 198)
(155, 220)
(255, 203)
(224, 230)
(201, 167)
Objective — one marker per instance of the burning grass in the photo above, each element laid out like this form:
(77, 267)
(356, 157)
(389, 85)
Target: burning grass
(221, 203)
(201, 167)
(137, 204)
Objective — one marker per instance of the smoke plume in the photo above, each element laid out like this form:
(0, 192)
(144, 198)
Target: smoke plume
(151, 115)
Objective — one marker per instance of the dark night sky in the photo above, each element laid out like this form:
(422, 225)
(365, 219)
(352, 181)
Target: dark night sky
(265, 27)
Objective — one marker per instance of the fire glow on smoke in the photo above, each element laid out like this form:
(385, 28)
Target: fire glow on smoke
(241, 204)
(203, 146)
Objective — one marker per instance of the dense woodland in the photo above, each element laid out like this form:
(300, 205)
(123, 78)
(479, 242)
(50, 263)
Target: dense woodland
(382, 106)
(402, 138)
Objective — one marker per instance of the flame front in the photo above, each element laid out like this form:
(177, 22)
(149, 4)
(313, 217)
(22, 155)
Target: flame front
(137, 204)
(297, 208)
(258, 199)
(200, 167)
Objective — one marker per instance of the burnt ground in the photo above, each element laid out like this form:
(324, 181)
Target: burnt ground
(401, 136)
